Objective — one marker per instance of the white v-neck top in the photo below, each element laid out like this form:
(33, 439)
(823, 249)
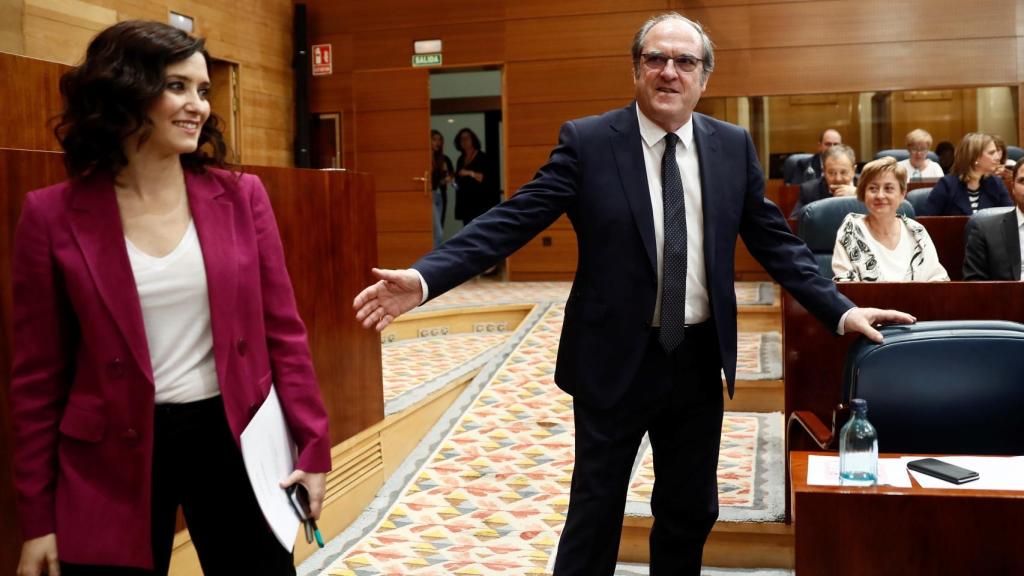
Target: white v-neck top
(176, 313)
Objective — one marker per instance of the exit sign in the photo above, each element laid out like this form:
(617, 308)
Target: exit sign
(426, 60)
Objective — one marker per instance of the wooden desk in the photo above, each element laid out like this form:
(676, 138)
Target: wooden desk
(885, 530)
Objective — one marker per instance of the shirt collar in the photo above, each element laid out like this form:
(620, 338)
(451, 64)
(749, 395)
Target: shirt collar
(652, 133)
(1020, 217)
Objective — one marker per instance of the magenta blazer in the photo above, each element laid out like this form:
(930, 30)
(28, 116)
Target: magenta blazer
(82, 385)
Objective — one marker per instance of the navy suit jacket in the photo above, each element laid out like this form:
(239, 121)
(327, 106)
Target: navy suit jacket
(949, 196)
(993, 248)
(596, 175)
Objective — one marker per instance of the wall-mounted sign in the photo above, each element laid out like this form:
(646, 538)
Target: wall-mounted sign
(426, 60)
(323, 64)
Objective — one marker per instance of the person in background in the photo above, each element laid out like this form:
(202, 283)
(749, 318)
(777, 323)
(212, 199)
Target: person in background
(441, 175)
(476, 185)
(946, 153)
(1000, 147)
(883, 246)
(919, 166)
(812, 168)
(840, 165)
(970, 185)
(650, 323)
(152, 315)
(994, 242)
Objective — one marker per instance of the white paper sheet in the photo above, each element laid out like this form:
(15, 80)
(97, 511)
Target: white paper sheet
(995, 472)
(269, 455)
(824, 471)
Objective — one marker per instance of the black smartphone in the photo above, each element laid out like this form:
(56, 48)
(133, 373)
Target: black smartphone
(943, 470)
(299, 498)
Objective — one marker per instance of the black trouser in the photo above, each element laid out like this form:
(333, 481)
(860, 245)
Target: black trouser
(196, 464)
(677, 400)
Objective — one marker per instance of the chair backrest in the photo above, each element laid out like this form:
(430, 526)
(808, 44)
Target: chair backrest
(945, 387)
(819, 222)
(1014, 153)
(918, 197)
(789, 175)
(903, 154)
(897, 153)
(993, 211)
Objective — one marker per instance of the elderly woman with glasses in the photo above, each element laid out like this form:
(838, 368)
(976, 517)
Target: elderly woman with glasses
(970, 185)
(883, 246)
(918, 166)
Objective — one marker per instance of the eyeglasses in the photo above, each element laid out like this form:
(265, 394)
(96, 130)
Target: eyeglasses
(658, 61)
(918, 149)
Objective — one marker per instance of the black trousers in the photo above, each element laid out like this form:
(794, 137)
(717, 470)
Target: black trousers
(678, 401)
(196, 464)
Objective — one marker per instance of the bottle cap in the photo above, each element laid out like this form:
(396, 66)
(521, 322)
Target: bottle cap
(859, 405)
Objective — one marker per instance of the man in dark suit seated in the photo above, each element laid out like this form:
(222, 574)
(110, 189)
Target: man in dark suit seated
(657, 195)
(811, 168)
(840, 166)
(994, 243)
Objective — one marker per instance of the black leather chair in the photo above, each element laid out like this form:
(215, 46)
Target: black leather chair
(789, 171)
(1014, 153)
(819, 222)
(945, 387)
(917, 198)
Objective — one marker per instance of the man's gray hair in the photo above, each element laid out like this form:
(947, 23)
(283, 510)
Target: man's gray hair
(641, 34)
(839, 150)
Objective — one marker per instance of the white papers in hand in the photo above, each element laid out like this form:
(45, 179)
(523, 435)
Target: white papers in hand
(269, 455)
(824, 471)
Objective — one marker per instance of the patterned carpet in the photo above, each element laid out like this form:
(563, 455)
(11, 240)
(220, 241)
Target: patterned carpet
(410, 363)
(486, 491)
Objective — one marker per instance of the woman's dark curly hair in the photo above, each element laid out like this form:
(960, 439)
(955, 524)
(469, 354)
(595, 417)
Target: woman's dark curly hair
(107, 97)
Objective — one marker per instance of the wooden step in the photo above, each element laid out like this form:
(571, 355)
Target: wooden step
(731, 544)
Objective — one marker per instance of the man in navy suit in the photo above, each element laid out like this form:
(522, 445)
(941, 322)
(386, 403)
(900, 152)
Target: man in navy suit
(812, 168)
(993, 249)
(651, 318)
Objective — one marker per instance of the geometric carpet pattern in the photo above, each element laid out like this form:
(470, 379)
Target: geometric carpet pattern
(492, 495)
(408, 363)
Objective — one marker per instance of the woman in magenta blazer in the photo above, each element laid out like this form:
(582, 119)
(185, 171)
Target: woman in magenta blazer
(152, 313)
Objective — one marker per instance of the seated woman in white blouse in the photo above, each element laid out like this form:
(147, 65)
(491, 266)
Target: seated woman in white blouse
(882, 246)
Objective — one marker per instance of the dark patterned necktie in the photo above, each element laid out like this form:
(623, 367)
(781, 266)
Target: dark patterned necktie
(673, 269)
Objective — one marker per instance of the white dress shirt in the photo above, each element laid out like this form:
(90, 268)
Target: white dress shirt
(698, 308)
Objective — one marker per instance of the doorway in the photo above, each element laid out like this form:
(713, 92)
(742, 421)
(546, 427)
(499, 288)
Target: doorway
(461, 99)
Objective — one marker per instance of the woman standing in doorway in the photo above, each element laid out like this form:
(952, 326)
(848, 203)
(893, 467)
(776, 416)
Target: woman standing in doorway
(152, 314)
(441, 175)
(476, 189)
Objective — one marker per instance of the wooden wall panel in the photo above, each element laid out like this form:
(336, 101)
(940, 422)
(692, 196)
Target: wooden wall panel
(255, 35)
(538, 124)
(479, 43)
(868, 67)
(571, 37)
(28, 90)
(548, 9)
(403, 212)
(796, 122)
(945, 114)
(577, 80)
(401, 249)
(382, 132)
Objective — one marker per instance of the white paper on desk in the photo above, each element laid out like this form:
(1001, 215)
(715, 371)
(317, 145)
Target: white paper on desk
(994, 472)
(269, 455)
(824, 471)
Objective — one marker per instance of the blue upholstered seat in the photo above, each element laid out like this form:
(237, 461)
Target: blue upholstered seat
(789, 172)
(918, 197)
(820, 222)
(903, 154)
(943, 387)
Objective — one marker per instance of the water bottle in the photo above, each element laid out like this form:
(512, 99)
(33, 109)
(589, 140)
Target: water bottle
(858, 448)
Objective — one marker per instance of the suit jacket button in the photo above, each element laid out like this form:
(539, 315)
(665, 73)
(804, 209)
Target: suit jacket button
(242, 345)
(130, 434)
(115, 368)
